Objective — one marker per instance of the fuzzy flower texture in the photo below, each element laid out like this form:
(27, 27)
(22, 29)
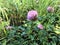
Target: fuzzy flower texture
(32, 15)
(9, 27)
(50, 9)
(40, 26)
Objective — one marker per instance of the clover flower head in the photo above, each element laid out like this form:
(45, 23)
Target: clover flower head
(50, 9)
(32, 15)
(40, 26)
(9, 27)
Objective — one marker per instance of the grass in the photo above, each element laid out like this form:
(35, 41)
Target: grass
(14, 12)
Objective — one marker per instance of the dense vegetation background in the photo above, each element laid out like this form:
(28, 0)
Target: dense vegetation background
(15, 29)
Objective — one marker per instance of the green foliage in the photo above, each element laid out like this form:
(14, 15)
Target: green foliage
(14, 13)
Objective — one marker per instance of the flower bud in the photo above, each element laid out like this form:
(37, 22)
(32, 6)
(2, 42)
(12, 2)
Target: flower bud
(9, 27)
(40, 26)
(50, 9)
